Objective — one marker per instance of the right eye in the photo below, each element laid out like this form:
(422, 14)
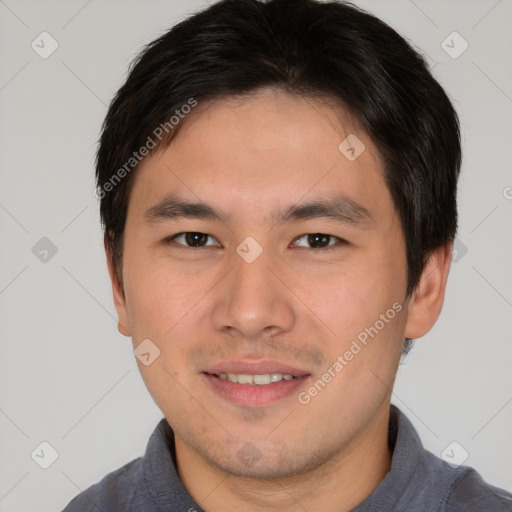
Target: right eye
(193, 239)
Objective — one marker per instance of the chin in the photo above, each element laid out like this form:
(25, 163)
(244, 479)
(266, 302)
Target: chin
(266, 462)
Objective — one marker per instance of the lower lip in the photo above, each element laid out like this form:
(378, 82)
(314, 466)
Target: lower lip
(254, 395)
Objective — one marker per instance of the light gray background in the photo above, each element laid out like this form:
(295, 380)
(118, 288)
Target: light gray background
(69, 378)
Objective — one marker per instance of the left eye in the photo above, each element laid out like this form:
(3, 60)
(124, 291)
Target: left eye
(317, 241)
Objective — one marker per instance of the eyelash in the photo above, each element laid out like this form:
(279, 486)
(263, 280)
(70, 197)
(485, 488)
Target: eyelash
(332, 247)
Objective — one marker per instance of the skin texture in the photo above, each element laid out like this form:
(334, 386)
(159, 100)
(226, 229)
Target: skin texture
(249, 156)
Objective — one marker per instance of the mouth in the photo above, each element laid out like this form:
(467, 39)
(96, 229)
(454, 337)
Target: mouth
(254, 385)
(261, 379)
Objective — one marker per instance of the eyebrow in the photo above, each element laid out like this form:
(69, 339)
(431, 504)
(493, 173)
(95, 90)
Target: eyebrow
(340, 209)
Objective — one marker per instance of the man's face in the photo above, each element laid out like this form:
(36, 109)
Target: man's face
(257, 295)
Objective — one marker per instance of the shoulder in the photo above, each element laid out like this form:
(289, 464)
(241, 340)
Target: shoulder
(147, 483)
(120, 490)
(426, 482)
(462, 489)
(470, 493)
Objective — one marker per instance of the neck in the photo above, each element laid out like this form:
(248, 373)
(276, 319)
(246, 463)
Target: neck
(340, 484)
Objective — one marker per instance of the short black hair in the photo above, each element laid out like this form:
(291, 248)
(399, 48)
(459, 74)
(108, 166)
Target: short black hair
(306, 47)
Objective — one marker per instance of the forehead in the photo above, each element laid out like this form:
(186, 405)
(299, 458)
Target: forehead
(246, 154)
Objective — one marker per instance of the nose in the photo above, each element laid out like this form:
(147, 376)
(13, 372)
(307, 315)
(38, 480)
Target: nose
(252, 300)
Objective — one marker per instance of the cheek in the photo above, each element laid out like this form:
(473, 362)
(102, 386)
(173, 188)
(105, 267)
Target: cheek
(351, 298)
(161, 306)
(362, 307)
(158, 295)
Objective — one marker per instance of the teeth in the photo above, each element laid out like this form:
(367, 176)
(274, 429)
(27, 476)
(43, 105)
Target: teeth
(260, 380)
(242, 379)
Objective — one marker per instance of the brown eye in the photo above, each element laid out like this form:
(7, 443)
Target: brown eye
(318, 241)
(193, 239)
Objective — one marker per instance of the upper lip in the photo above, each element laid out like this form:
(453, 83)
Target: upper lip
(255, 368)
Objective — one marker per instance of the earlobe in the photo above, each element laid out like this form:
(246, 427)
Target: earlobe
(427, 299)
(118, 295)
(123, 330)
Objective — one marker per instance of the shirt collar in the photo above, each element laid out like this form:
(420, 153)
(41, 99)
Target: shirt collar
(404, 479)
(160, 474)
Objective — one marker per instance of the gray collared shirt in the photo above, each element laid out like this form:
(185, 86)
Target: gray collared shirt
(418, 481)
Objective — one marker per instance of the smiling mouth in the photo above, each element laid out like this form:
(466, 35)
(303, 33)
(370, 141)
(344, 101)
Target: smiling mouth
(262, 379)
(255, 383)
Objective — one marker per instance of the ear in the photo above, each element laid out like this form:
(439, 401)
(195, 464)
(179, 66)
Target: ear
(427, 299)
(118, 294)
